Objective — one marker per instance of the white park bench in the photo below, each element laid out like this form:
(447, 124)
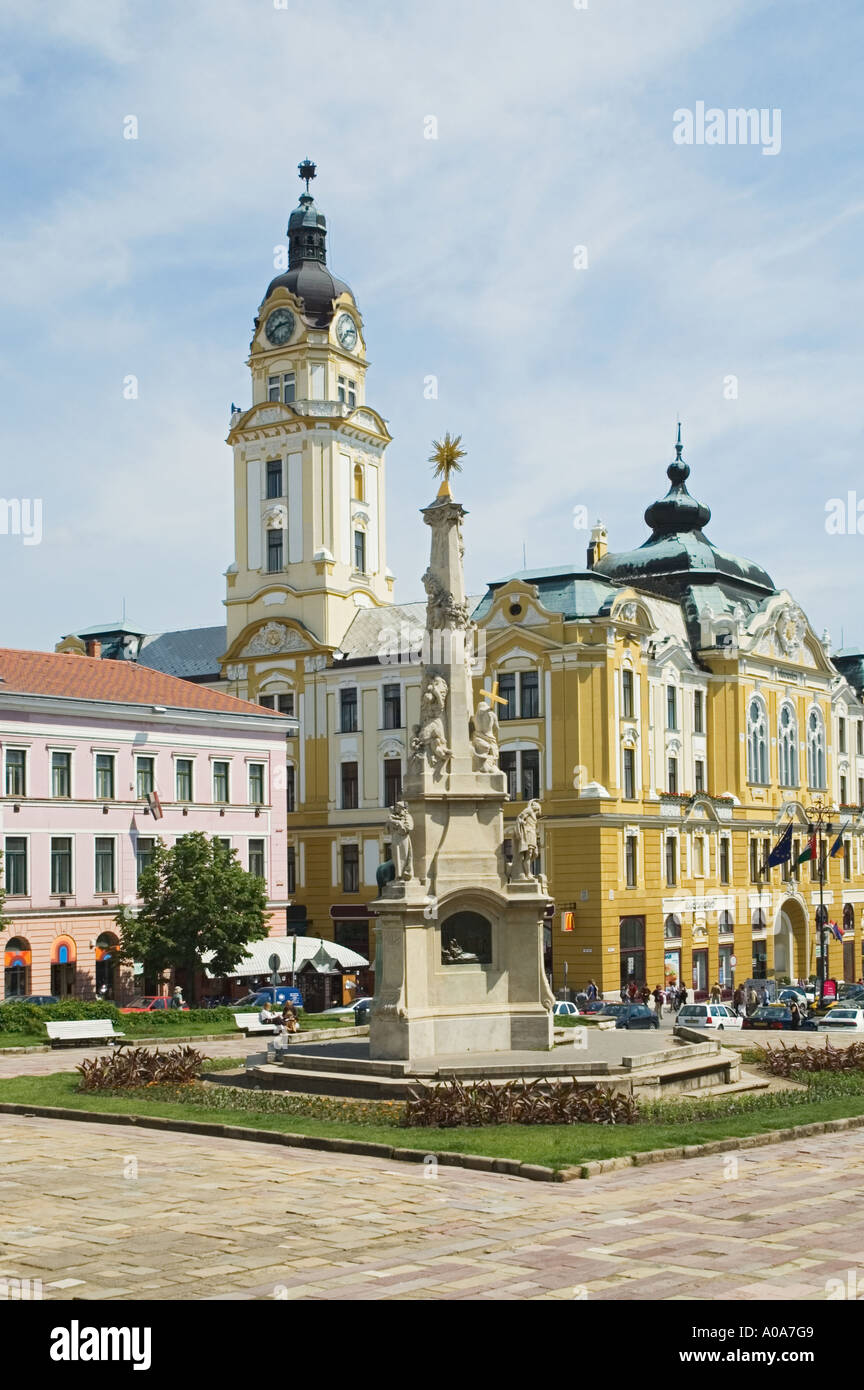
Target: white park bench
(82, 1030)
(251, 1025)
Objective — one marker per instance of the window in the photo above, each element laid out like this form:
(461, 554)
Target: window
(726, 924)
(843, 792)
(725, 855)
(631, 943)
(144, 777)
(672, 927)
(629, 774)
(144, 848)
(256, 784)
(15, 866)
(392, 707)
(348, 710)
(358, 483)
(282, 704)
(699, 779)
(183, 771)
(698, 856)
(627, 694)
(758, 919)
(274, 551)
(522, 770)
(61, 864)
(256, 858)
(360, 552)
(815, 750)
(755, 861)
(787, 744)
(291, 870)
(521, 690)
(757, 742)
(671, 861)
(861, 791)
(698, 712)
(274, 478)
(104, 864)
(859, 736)
(630, 860)
(841, 735)
(672, 776)
(350, 869)
(529, 683)
(61, 774)
(794, 866)
(281, 388)
(349, 786)
(347, 391)
(392, 781)
(847, 860)
(671, 707)
(104, 776)
(16, 772)
(290, 794)
(221, 779)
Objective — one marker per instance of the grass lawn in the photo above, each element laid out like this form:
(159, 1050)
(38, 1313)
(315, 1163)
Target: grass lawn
(555, 1146)
(139, 1026)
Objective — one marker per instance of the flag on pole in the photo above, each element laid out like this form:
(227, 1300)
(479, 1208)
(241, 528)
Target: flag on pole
(838, 843)
(782, 851)
(835, 931)
(809, 853)
(155, 805)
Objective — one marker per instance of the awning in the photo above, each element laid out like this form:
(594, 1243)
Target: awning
(16, 959)
(258, 953)
(63, 951)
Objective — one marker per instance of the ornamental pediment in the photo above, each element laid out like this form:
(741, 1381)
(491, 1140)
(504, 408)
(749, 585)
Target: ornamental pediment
(273, 638)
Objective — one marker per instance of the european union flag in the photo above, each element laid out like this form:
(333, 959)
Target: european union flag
(782, 851)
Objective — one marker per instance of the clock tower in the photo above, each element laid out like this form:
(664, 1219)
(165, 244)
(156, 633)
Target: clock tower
(309, 472)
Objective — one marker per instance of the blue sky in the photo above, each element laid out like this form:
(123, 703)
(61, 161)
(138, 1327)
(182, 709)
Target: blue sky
(555, 129)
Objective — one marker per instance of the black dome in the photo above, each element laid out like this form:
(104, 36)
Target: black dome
(307, 275)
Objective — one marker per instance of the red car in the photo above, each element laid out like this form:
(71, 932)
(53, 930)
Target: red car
(149, 1004)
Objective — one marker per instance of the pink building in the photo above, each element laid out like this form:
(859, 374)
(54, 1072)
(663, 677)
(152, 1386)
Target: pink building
(82, 743)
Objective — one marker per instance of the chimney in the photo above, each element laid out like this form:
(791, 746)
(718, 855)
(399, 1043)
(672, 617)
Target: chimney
(94, 647)
(597, 546)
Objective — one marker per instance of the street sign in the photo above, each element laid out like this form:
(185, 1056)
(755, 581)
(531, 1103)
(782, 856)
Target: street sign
(274, 963)
(733, 960)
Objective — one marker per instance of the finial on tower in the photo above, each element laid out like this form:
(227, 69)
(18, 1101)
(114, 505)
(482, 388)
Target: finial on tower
(445, 455)
(307, 173)
(679, 446)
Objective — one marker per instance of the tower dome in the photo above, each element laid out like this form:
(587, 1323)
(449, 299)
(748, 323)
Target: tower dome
(307, 275)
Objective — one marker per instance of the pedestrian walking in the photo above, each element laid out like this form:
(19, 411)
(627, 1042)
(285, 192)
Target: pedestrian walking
(591, 991)
(716, 994)
(658, 1002)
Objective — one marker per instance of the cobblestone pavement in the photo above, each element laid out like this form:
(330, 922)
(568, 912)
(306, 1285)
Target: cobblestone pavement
(68, 1058)
(101, 1212)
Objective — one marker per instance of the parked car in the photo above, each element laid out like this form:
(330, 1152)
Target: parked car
(708, 1016)
(598, 1006)
(150, 1004)
(849, 992)
(847, 1020)
(635, 1016)
(564, 1008)
(776, 1016)
(32, 999)
(361, 1011)
(799, 996)
(273, 994)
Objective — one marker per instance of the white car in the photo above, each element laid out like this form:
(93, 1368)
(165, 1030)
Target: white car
(842, 1019)
(708, 1016)
(562, 1007)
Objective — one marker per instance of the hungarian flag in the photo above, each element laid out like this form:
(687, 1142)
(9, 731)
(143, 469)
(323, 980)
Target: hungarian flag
(782, 851)
(809, 853)
(155, 805)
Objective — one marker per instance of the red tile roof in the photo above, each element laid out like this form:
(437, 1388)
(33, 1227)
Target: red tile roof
(120, 682)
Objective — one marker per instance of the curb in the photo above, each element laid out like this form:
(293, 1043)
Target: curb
(308, 1035)
(534, 1172)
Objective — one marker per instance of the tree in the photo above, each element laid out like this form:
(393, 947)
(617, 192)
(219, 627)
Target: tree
(195, 898)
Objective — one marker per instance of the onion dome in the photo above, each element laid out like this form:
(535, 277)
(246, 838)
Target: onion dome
(307, 275)
(677, 554)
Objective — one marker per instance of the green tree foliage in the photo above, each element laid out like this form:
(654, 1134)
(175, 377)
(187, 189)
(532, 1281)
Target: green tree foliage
(195, 898)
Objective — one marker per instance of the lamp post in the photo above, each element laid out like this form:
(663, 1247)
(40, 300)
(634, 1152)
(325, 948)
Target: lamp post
(820, 816)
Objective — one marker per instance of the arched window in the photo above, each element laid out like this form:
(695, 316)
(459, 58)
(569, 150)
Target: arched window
(17, 967)
(815, 749)
(787, 745)
(757, 741)
(672, 927)
(848, 917)
(358, 483)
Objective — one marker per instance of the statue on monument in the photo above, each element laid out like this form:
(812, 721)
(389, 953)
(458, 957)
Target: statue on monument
(484, 736)
(527, 845)
(429, 738)
(400, 825)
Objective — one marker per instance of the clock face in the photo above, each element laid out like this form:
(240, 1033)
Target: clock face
(279, 326)
(346, 331)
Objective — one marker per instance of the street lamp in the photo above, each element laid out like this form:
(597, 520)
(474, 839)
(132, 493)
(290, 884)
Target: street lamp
(820, 815)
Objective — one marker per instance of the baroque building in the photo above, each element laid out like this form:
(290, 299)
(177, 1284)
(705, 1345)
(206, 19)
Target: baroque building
(669, 705)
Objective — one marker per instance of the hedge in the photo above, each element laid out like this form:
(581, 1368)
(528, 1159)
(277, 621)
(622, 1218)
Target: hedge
(28, 1018)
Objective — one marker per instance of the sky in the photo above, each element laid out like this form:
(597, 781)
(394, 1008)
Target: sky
(716, 283)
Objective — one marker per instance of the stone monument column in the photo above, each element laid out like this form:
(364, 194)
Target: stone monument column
(460, 947)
